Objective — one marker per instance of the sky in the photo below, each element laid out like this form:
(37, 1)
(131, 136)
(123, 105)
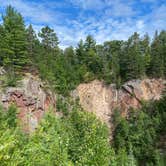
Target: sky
(106, 20)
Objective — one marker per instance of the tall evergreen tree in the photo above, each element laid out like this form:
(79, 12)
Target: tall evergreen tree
(92, 60)
(90, 43)
(31, 41)
(133, 62)
(14, 49)
(1, 44)
(49, 44)
(49, 38)
(70, 55)
(80, 52)
(112, 52)
(157, 57)
(162, 50)
(145, 52)
(115, 70)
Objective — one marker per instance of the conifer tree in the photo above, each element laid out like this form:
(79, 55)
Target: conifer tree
(1, 44)
(49, 38)
(133, 62)
(115, 69)
(162, 50)
(14, 49)
(70, 56)
(157, 57)
(31, 41)
(145, 52)
(80, 52)
(90, 43)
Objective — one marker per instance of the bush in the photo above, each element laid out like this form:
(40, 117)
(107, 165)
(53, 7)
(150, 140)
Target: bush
(89, 143)
(77, 139)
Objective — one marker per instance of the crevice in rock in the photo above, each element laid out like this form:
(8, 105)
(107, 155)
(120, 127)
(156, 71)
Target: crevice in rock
(132, 94)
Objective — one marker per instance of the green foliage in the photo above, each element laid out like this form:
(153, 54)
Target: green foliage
(88, 143)
(81, 139)
(158, 55)
(14, 40)
(62, 105)
(48, 146)
(11, 117)
(11, 139)
(77, 139)
(11, 79)
(140, 132)
(132, 65)
(32, 41)
(114, 61)
(49, 38)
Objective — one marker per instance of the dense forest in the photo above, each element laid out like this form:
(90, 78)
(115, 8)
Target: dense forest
(113, 61)
(79, 138)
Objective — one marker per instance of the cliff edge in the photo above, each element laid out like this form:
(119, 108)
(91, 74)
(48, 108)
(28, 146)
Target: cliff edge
(102, 99)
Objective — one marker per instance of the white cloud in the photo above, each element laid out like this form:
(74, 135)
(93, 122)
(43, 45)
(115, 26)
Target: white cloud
(35, 12)
(110, 7)
(140, 24)
(104, 25)
(120, 8)
(89, 4)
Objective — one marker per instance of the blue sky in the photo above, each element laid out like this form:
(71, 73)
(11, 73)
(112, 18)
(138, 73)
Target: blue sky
(104, 19)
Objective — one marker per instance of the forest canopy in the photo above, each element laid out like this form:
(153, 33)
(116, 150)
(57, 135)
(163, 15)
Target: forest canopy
(114, 61)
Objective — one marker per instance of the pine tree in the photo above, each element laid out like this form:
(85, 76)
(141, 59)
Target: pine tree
(133, 66)
(92, 59)
(49, 38)
(90, 43)
(80, 52)
(162, 50)
(1, 44)
(145, 52)
(49, 44)
(113, 49)
(157, 55)
(70, 55)
(31, 41)
(14, 49)
(115, 69)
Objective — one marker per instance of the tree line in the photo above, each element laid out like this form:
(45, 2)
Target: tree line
(114, 61)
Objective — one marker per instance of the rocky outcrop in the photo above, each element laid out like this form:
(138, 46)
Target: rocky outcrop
(102, 99)
(33, 100)
(30, 98)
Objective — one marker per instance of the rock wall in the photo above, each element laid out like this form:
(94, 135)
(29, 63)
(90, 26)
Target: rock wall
(33, 100)
(30, 98)
(102, 99)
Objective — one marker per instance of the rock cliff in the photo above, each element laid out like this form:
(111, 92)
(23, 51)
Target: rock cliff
(30, 98)
(102, 99)
(33, 100)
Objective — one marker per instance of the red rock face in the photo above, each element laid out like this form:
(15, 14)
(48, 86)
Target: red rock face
(102, 100)
(32, 101)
